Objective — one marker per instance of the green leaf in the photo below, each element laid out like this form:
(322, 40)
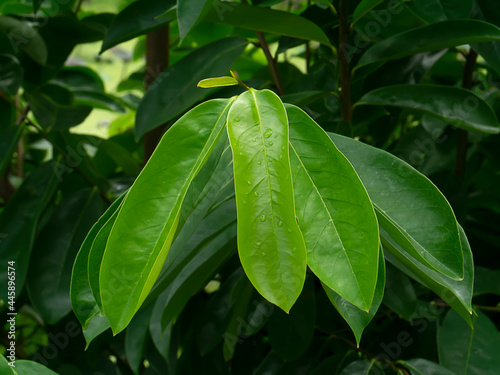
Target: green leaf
(464, 350)
(270, 244)
(217, 82)
(24, 367)
(266, 20)
(299, 324)
(36, 5)
(82, 299)
(399, 294)
(55, 115)
(362, 367)
(9, 139)
(11, 75)
(458, 107)
(101, 100)
(420, 366)
(334, 212)
(174, 90)
(490, 52)
(408, 206)
(139, 18)
(189, 14)
(364, 7)
(136, 336)
(97, 325)
(429, 38)
(458, 294)
(440, 10)
(358, 319)
(486, 281)
(5, 368)
(56, 249)
(25, 37)
(146, 224)
(19, 220)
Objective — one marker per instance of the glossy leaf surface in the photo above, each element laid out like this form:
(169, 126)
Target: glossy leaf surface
(430, 38)
(270, 244)
(363, 8)
(458, 294)
(456, 106)
(56, 249)
(82, 299)
(469, 351)
(266, 20)
(176, 89)
(358, 319)
(334, 212)
(440, 10)
(146, 224)
(408, 206)
(189, 13)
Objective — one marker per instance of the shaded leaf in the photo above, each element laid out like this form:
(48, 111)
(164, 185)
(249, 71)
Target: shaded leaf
(11, 75)
(25, 37)
(420, 366)
(440, 10)
(364, 7)
(458, 107)
(464, 350)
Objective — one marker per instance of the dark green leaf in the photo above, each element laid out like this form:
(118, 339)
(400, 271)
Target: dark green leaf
(136, 336)
(25, 37)
(99, 100)
(486, 281)
(364, 7)
(458, 107)
(291, 334)
(24, 367)
(19, 219)
(362, 367)
(358, 319)
(441, 10)
(266, 20)
(9, 139)
(334, 213)
(399, 294)
(56, 249)
(189, 13)
(174, 90)
(139, 18)
(429, 38)
(458, 294)
(11, 75)
(408, 206)
(270, 244)
(464, 350)
(420, 366)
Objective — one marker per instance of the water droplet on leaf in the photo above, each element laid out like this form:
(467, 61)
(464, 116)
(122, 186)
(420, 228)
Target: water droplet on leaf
(237, 119)
(256, 194)
(268, 133)
(271, 143)
(263, 218)
(280, 224)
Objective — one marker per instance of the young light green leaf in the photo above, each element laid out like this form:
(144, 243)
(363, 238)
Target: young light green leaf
(56, 249)
(266, 20)
(458, 294)
(217, 82)
(270, 244)
(408, 206)
(356, 318)
(430, 38)
(82, 300)
(363, 8)
(335, 214)
(146, 224)
(466, 350)
(176, 91)
(459, 107)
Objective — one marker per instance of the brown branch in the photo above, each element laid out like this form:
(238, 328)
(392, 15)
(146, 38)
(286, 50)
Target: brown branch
(345, 74)
(463, 135)
(271, 62)
(157, 60)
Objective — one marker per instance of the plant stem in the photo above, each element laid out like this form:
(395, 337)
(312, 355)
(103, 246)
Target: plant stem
(157, 60)
(463, 135)
(271, 62)
(345, 74)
